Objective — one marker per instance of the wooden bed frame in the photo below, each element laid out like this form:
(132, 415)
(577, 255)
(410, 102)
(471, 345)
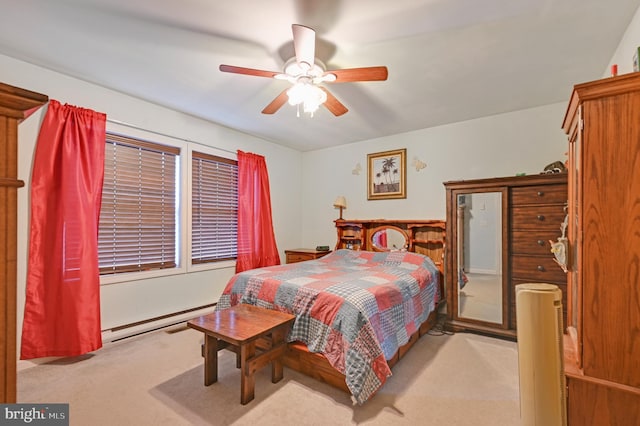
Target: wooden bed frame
(315, 365)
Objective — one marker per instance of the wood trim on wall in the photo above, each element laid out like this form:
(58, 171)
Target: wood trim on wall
(15, 105)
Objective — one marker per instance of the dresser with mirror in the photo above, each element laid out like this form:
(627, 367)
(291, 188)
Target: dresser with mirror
(500, 233)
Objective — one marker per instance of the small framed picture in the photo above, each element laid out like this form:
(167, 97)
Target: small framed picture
(387, 175)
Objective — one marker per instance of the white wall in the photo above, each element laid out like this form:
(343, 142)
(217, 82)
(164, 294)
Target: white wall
(630, 42)
(501, 145)
(483, 233)
(129, 302)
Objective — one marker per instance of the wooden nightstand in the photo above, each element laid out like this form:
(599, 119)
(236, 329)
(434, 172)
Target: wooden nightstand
(300, 255)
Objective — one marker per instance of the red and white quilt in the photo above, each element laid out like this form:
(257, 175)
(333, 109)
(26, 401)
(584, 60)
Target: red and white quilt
(355, 307)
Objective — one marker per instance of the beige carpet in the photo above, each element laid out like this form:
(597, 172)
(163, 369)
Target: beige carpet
(157, 379)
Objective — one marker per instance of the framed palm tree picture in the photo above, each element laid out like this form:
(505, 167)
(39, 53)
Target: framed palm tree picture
(387, 177)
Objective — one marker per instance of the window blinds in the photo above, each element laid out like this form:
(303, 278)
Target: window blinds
(139, 206)
(214, 208)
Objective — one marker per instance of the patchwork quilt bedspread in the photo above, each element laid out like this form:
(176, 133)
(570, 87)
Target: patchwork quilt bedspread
(355, 307)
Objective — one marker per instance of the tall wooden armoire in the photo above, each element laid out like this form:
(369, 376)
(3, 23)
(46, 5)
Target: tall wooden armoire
(15, 105)
(602, 348)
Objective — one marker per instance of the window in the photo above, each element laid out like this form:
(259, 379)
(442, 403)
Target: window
(138, 218)
(214, 208)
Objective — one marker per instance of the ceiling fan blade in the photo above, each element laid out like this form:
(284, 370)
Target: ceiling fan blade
(275, 104)
(359, 74)
(247, 71)
(304, 43)
(333, 104)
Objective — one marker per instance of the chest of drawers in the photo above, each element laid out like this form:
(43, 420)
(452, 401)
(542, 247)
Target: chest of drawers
(536, 213)
(499, 235)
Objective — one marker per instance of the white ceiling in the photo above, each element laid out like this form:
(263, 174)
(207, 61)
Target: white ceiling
(448, 60)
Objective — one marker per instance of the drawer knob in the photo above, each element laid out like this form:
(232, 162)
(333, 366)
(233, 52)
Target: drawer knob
(540, 242)
(540, 193)
(540, 268)
(540, 217)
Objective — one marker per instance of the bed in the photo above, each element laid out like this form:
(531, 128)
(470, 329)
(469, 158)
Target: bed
(356, 311)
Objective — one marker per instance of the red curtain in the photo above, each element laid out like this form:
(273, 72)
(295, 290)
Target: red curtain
(62, 309)
(256, 241)
(383, 238)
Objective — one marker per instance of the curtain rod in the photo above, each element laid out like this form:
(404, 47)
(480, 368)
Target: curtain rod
(133, 126)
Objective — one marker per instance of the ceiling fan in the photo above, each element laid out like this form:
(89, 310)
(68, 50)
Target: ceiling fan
(306, 74)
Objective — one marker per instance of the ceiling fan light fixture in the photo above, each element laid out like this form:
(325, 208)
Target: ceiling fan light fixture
(308, 95)
(306, 73)
(292, 68)
(313, 101)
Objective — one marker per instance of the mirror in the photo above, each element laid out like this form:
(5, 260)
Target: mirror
(479, 256)
(389, 238)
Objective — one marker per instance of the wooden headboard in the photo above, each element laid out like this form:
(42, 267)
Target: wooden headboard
(426, 237)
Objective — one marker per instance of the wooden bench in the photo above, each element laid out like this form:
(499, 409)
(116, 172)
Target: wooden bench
(238, 329)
